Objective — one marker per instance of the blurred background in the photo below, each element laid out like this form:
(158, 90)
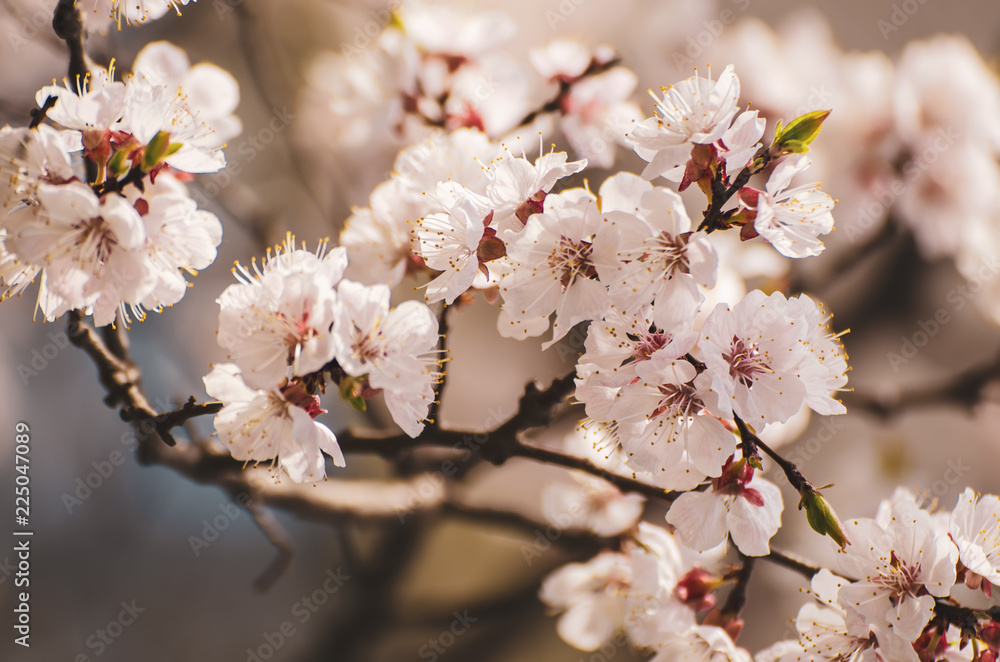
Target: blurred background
(910, 151)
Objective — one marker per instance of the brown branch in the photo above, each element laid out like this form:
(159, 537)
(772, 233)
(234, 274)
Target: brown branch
(434, 412)
(737, 598)
(68, 27)
(792, 562)
(340, 501)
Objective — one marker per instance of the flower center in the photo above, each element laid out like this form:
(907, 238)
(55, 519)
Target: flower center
(897, 576)
(678, 400)
(648, 343)
(571, 260)
(96, 239)
(671, 251)
(745, 361)
(369, 348)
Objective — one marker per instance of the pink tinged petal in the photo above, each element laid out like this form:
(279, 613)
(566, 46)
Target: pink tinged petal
(677, 303)
(709, 444)
(124, 221)
(666, 160)
(752, 526)
(586, 299)
(908, 618)
(211, 91)
(589, 624)
(700, 519)
(300, 454)
(225, 383)
(623, 192)
(513, 182)
(783, 174)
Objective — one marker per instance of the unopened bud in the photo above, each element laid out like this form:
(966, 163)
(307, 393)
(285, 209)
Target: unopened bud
(821, 517)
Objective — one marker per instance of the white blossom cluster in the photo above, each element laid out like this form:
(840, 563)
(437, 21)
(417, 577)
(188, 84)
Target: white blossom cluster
(449, 66)
(681, 377)
(899, 567)
(97, 209)
(289, 321)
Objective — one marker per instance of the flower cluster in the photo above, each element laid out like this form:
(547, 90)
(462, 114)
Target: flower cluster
(98, 210)
(652, 590)
(287, 325)
(900, 568)
(446, 66)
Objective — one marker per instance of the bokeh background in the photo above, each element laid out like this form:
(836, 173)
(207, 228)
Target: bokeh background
(129, 539)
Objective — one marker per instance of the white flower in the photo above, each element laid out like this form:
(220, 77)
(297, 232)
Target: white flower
(561, 59)
(553, 269)
(264, 424)
(209, 93)
(741, 504)
(90, 249)
(597, 113)
(517, 188)
(275, 323)
(139, 11)
(827, 631)
(113, 115)
(180, 238)
(377, 237)
(701, 643)
(694, 111)
(94, 104)
(902, 566)
(662, 420)
(460, 242)
(768, 355)
(614, 347)
(791, 219)
(31, 156)
(394, 349)
(653, 607)
(591, 504)
(741, 141)
(658, 256)
(591, 597)
(443, 29)
(975, 528)
(151, 108)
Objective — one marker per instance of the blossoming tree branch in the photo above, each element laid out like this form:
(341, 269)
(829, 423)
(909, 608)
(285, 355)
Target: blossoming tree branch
(674, 395)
